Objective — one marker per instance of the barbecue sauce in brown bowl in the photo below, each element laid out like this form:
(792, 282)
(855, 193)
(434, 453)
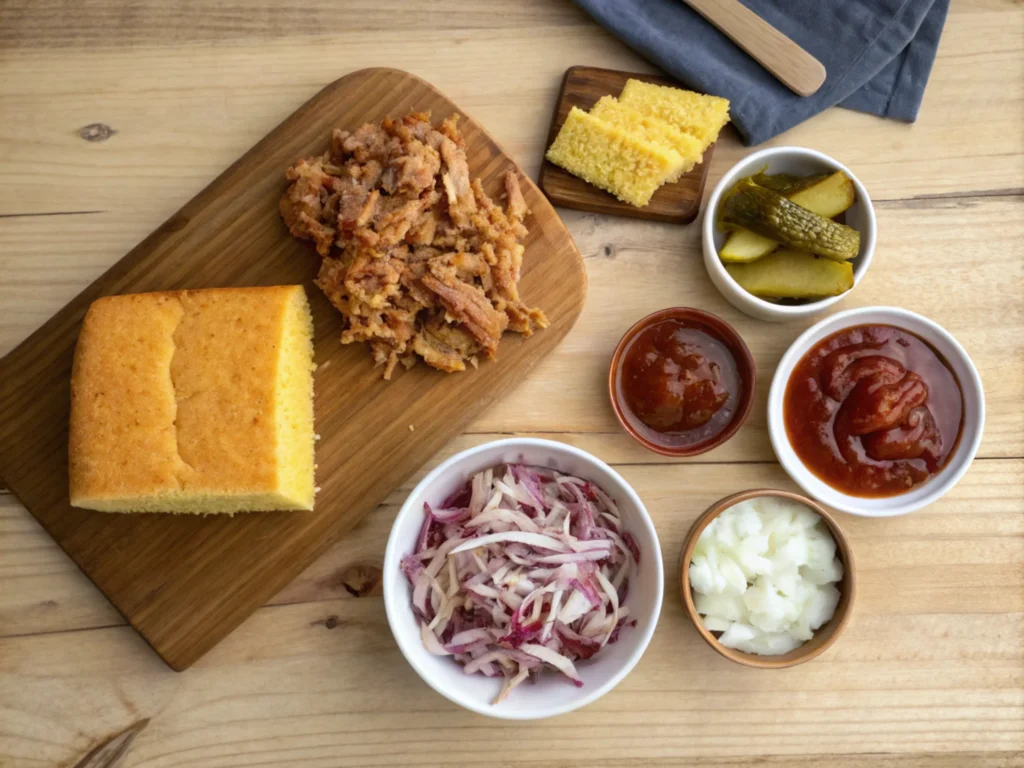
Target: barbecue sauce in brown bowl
(681, 381)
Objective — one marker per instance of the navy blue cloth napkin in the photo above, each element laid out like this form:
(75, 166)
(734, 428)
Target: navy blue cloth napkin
(878, 54)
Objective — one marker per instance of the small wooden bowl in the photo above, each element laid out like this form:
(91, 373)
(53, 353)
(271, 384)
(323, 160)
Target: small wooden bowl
(713, 326)
(824, 636)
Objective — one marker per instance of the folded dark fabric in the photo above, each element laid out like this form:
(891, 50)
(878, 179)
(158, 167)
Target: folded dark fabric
(878, 54)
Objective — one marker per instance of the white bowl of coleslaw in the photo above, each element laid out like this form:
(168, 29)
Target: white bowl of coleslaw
(548, 689)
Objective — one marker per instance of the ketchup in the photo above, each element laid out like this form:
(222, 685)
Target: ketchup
(679, 381)
(873, 410)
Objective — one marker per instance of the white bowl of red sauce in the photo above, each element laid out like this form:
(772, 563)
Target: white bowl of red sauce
(876, 411)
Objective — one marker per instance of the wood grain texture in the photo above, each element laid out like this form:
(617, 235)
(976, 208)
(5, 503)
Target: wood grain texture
(109, 753)
(933, 662)
(104, 23)
(46, 592)
(676, 203)
(176, 132)
(636, 267)
(792, 65)
(930, 673)
(184, 582)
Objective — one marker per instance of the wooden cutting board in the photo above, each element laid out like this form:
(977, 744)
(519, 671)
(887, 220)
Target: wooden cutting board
(677, 203)
(185, 582)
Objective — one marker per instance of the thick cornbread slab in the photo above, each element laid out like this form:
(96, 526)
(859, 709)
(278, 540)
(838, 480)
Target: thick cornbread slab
(194, 401)
(611, 158)
(651, 129)
(694, 113)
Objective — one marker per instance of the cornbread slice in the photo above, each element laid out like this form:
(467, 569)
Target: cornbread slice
(611, 158)
(651, 129)
(194, 401)
(694, 113)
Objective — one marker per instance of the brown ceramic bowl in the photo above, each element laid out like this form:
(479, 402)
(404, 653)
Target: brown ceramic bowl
(718, 329)
(824, 636)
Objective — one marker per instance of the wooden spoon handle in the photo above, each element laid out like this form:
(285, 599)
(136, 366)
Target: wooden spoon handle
(791, 64)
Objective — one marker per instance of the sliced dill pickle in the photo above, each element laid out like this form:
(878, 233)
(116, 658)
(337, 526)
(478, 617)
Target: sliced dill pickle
(786, 183)
(767, 213)
(827, 195)
(793, 275)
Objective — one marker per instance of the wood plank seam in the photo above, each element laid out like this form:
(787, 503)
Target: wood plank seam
(968, 195)
(46, 213)
(75, 630)
(884, 201)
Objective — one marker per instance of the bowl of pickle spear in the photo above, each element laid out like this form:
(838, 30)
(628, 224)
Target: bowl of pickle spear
(787, 233)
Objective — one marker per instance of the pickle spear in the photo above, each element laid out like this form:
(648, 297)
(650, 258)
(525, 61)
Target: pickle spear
(786, 184)
(793, 275)
(767, 213)
(827, 195)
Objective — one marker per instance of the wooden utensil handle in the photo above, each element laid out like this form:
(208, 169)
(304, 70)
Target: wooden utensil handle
(792, 65)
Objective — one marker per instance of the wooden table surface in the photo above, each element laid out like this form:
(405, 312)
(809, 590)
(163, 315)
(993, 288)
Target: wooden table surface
(113, 114)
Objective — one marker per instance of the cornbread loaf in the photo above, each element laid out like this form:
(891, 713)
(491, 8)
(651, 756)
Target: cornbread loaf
(194, 401)
(651, 129)
(611, 158)
(694, 113)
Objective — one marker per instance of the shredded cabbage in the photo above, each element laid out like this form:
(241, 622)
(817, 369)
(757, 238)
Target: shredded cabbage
(522, 569)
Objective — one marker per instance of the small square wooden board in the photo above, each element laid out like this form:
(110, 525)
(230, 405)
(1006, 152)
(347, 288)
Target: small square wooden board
(677, 203)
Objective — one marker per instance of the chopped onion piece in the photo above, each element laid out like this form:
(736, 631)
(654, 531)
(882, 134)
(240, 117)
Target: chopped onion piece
(533, 539)
(510, 683)
(613, 597)
(510, 516)
(431, 642)
(575, 557)
(763, 574)
(562, 663)
(577, 605)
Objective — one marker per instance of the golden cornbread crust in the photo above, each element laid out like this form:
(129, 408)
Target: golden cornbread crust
(651, 129)
(613, 159)
(177, 402)
(698, 114)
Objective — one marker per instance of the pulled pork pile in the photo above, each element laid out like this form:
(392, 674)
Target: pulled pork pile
(416, 256)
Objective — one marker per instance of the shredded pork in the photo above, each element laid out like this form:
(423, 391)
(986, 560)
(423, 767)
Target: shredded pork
(415, 255)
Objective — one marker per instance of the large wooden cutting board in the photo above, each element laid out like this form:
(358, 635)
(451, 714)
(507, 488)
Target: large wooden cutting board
(185, 582)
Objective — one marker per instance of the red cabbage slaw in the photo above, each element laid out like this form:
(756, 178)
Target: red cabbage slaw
(523, 568)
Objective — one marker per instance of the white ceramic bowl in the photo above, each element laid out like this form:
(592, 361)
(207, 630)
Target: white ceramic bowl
(936, 486)
(553, 694)
(796, 160)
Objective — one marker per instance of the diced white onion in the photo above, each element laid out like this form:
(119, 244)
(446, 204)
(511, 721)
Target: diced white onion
(763, 574)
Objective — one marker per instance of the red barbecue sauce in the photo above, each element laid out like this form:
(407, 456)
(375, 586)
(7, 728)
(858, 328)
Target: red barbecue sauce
(873, 410)
(680, 381)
